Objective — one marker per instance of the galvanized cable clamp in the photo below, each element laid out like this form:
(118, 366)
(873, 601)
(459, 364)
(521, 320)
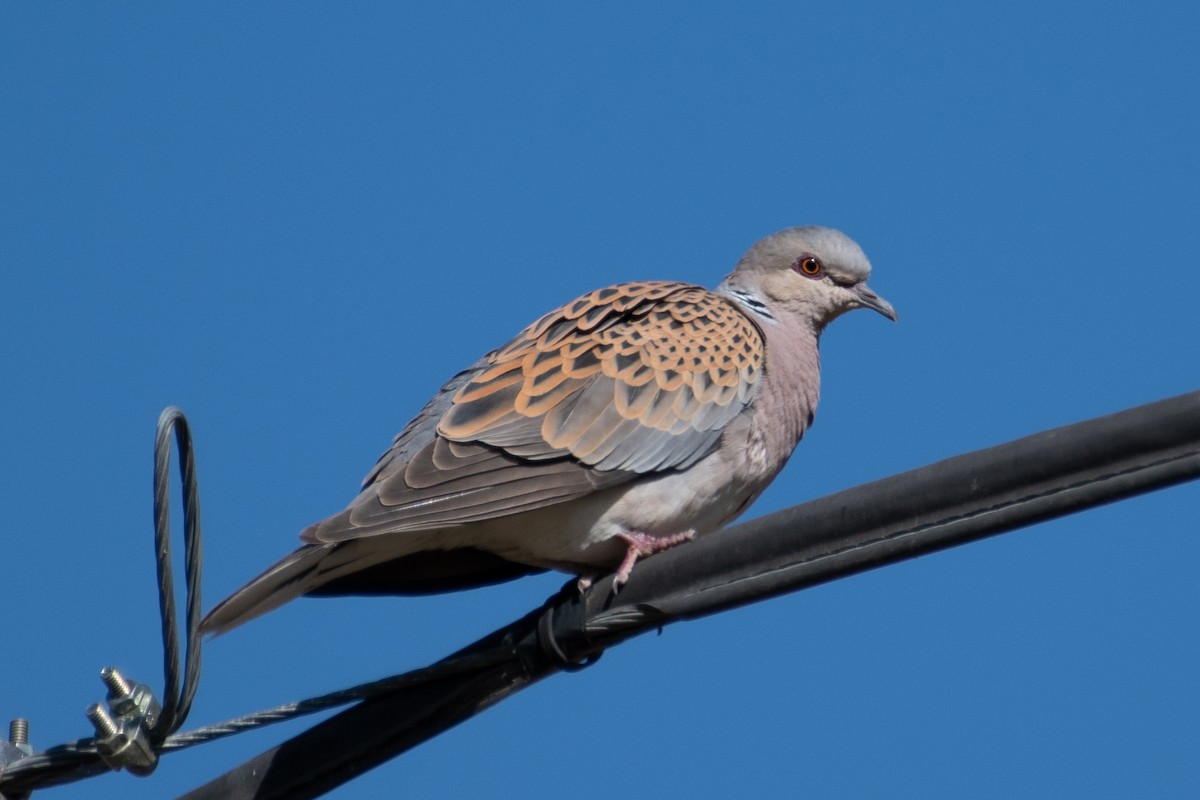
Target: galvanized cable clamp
(123, 732)
(130, 732)
(15, 747)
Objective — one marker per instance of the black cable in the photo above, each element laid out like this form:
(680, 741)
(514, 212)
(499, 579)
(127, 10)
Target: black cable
(952, 502)
(177, 698)
(949, 503)
(80, 759)
(945, 504)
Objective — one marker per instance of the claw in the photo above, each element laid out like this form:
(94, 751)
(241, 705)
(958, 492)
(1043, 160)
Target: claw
(643, 544)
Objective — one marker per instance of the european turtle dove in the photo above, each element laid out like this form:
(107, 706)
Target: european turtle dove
(623, 423)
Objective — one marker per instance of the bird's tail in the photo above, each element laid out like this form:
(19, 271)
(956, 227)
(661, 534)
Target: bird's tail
(297, 573)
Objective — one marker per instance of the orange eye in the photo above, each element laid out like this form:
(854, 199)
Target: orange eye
(810, 266)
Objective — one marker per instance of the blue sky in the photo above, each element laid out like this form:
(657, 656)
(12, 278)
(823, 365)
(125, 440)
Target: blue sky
(295, 221)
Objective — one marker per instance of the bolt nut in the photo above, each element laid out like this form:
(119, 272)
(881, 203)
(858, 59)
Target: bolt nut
(129, 700)
(17, 746)
(127, 747)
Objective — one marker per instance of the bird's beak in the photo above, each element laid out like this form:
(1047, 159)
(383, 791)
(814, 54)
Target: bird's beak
(871, 300)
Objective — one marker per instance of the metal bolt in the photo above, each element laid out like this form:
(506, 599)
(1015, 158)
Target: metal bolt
(18, 731)
(101, 721)
(115, 681)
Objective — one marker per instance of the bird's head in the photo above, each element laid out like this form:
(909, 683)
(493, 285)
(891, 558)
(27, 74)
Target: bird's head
(812, 273)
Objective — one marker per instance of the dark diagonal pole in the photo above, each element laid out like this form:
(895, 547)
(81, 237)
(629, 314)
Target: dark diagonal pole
(949, 503)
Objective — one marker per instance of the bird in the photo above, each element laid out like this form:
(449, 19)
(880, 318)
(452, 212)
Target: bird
(623, 423)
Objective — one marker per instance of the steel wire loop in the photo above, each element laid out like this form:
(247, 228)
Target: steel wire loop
(177, 693)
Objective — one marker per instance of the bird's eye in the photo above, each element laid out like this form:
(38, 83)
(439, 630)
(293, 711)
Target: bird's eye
(810, 266)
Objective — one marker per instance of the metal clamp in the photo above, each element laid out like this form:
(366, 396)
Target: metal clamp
(12, 750)
(123, 731)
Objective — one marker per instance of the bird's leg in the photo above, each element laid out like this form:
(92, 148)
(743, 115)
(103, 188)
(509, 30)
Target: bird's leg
(640, 544)
(644, 544)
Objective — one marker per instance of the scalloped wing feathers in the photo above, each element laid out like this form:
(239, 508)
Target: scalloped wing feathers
(640, 377)
(628, 380)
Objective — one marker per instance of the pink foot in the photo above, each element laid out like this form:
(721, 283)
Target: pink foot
(643, 544)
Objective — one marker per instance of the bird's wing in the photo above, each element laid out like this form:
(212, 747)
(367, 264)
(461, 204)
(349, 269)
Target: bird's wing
(628, 380)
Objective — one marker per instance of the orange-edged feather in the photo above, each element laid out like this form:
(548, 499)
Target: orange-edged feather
(664, 364)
